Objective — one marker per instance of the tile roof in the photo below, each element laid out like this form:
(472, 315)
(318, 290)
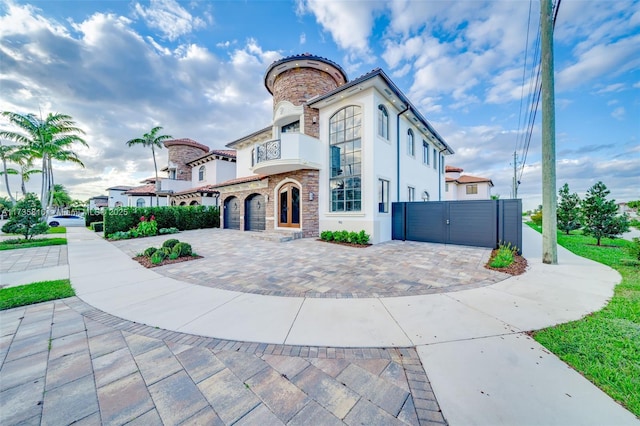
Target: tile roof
(120, 188)
(149, 189)
(471, 179)
(207, 189)
(452, 169)
(229, 153)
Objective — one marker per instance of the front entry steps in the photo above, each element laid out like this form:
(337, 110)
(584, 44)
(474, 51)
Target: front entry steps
(279, 236)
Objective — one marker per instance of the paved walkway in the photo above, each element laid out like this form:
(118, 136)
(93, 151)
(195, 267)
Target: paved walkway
(480, 366)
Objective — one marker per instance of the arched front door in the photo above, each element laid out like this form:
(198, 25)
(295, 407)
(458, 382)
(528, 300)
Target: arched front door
(254, 211)
(232, 213)
(289, 206)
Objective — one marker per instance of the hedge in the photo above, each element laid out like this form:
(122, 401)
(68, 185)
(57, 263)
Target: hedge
(181, 217)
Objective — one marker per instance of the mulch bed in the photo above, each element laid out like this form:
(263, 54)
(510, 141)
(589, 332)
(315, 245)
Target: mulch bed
(345, 244)
(146, 261)
(519, 265)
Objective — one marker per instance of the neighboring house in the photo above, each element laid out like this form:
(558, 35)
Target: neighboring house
(460, 187)
(98, 202)
(117, 196)
(337, 154)
(145, 195)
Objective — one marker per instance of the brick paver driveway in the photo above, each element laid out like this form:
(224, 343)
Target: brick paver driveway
(235, 260)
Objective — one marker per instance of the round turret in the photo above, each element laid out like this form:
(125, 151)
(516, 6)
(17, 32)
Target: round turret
(181, 151)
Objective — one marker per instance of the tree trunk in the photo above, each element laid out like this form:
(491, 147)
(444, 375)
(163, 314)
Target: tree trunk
(45, 174)
(51, 184)
(157, 183)
(6, 181)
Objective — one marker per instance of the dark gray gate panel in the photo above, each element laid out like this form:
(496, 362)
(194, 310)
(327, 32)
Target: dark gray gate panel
(473, 223)
(231, 213)
(254, 213)
(398, 219)
(510, 223)
(426, 222)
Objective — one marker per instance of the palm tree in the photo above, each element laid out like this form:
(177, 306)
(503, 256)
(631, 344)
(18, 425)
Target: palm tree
(46, 139)
(153, 140)
(60, 197)
(5, 154)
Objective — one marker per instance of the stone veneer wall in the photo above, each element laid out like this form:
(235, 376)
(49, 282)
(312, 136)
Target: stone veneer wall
(309, 214)
(297, 86)
(179, 155)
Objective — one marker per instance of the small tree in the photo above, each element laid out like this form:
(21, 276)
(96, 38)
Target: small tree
(600, 218)
(5, 206)
(26, 218)
(568, 210)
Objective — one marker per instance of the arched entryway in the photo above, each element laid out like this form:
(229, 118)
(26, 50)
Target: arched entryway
(254, 213)
(289, 206)
(194, 203)
(232, 213)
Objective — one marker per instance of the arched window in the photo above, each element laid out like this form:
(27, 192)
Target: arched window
(411, 150)
(383, 122)
(201, 173)
(140, 202)
(345, 146)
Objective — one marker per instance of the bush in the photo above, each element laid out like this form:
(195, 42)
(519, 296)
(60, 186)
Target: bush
(182, 249)
(149, 251)
(504, 257)
(97, 226)
(147, 228)
(171, 230)
(363, 238)
(634, 249)
(173, 256)
(166, 250)
(326, 235)
(120, 235)
(158, 257)
(170, 243)
(536, 218)
(341, 236)
(179, 217)
(26, 218)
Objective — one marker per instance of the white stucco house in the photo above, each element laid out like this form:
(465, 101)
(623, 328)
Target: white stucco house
(460, 187)
(117, 196)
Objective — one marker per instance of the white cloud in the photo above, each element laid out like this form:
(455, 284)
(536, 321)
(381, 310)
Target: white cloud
(168, 17)
(618, 113)
(303, 38)
(617, 87)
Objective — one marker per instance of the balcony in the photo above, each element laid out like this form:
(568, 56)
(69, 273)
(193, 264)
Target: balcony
(293, 151)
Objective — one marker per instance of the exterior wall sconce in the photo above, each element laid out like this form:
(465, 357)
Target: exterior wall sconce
(314, 119)
(311, 195)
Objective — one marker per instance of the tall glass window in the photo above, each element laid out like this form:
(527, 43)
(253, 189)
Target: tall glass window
(345, 146)
(435, 159)
(425, 152)
(383, 196)
(410, 146)
(383, 122)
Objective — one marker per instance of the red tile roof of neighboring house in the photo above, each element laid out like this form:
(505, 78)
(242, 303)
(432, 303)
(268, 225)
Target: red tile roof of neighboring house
(473, 179)
(186, 142)
(239, 180)
(149, 189)
(452, 169)
(120, 188)
(207, 189)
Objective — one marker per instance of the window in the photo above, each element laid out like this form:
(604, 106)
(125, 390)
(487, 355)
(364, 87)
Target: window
(435, 159)
(293, 127)
(425, 152)
(383, 122)
(446, 187)
(201, 173)
(383, 196)
(410, 147)
(441, 164)
(140, 202)
(345, 146)
(411, 196)
(472, 189)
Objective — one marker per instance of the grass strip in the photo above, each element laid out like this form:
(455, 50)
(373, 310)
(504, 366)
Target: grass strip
(605, 345)
(57, 230)
(28, 294)
(36, 242)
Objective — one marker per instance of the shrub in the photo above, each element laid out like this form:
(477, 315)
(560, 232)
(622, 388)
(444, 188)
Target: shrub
(634, 249)
(173, 256)
(158, 257)
(149, 251)
(26, 218)
(341, 236)
(182, 249)
(120, 235)
(147, 228)
(91, 216)
(179, 217)
(352, 237)
(326, 235)
(170, 243)
(171, 230)
(97, 226)
(504, 257)
(536, 217)
(363, 238)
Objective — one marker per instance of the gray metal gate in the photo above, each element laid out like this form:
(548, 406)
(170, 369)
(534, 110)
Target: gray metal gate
(481, 223)
(231, 213)
(254, 208)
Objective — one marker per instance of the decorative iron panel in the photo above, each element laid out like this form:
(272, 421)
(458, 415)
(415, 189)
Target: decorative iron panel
(266, 151)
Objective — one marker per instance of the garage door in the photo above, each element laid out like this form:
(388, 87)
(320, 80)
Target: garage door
(254, 213)
(232, 213)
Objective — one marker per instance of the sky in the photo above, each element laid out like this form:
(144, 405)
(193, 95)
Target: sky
(196, 68)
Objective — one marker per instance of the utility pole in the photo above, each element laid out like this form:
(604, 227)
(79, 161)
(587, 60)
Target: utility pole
(549, 218)
(515, 175)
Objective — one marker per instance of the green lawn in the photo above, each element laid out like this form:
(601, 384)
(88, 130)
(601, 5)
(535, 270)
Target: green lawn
(57, 230)
(12, 297)
(604, 346)
(35, 242)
